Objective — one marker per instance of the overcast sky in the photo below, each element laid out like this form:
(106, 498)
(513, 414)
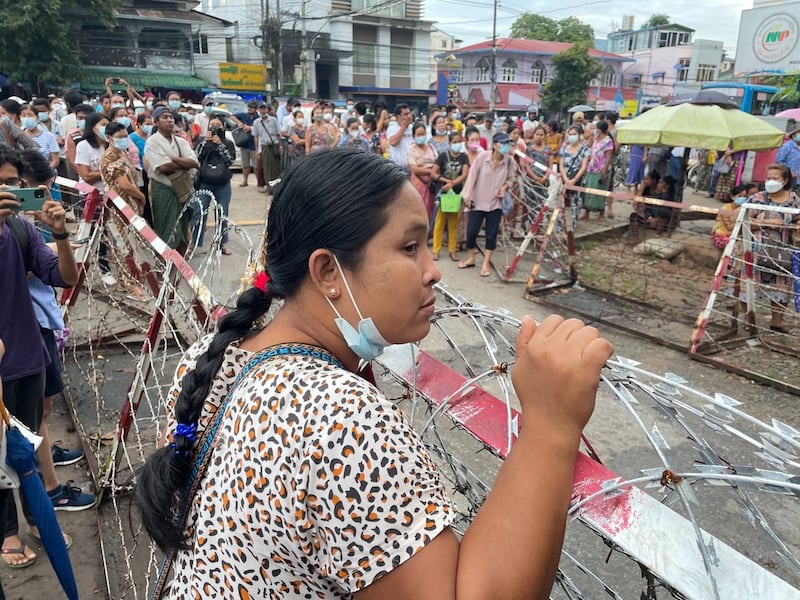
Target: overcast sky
(471, 20)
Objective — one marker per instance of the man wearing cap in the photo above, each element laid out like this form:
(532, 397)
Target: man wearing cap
(168, 158)
(789, 153)
(204, 117)
(244, 121)
(578, 119)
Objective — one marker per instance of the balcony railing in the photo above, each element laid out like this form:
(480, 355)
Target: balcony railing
(148, 58)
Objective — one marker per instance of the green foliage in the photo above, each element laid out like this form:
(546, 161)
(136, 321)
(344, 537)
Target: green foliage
(532, 26)
(574, 70)
(38, 40)
(788, 87)
(657, 20)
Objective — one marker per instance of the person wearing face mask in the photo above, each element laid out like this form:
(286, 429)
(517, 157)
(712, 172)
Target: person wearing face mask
(142, 128)
(487, 130)
(726, 218)
(353, 137)
(399, 135)
(320, 134)
(330, 118)
(74, 136)
(453, 119)
(89, 151)
(202, 118)
(293, 403)
(116, 169)
(439, 138)
(490, 177)
(789, 153)
(449, 172)
(120, 115)
(46, 141)
(297, 134)
(597, 172)
(778, 242)
(244, 121)
(174, 101)
(285, 123)
(574, 159)
(420, 160)
(11, 132)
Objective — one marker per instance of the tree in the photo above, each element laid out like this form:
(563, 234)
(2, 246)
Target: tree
(574, 70)
(532, 26)
(38, 40)
(657, 20)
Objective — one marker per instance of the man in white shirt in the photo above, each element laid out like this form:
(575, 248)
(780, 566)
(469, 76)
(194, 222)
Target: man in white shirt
(487, 130)
(266, 133)
(400, 136)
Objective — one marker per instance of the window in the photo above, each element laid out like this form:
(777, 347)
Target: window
(509, 71)
(402, 41)
(608, 78)
(635, 80)
(457, 76)
(537, 72)
(482, 69)
(683, 69)
(365, 40)
(229, 50)
(444, 44)
(387, 9)
(200, 44)
(706, 73)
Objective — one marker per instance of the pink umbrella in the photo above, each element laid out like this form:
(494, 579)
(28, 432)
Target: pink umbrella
(791, 113)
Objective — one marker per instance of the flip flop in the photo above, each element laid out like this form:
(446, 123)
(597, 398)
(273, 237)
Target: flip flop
(435, 256)
(226, 251)
(464, 265)
(18, 550)
(485, 273)
(67, 538)
(453, 257)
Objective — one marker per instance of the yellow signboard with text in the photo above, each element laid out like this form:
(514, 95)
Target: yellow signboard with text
(629, 109)
(242, 76)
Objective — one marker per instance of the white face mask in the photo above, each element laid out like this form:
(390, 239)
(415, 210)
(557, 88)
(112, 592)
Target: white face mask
(353, 133)
(773, 186)
(327, 117)
(367, 343)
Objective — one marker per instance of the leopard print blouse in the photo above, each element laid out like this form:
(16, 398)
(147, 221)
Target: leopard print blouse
(317, 485)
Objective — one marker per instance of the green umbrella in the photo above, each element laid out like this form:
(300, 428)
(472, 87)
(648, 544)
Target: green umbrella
(700, 126)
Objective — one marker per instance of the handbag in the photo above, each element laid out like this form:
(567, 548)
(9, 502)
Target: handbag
(450, 202)
(213, 169)
(775, 255)
(241, 138)
(722, 167)
(182, 181)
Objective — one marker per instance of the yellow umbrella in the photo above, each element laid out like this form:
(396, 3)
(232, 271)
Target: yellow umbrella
(700, 126)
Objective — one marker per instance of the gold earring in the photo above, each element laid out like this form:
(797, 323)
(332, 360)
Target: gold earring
(333, 293)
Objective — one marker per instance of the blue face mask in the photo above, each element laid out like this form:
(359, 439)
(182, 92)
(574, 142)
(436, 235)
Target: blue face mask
(117, 105)
(367, 343)
(505, 148)
(740, 200)
(99, 108)
(124, 121)
(174, 104)
(420, 140)
(101, 132)
(797, 138)
(148, 129)
(80, 123)
(456, 147)
(43, 116)
(28, 122)
(208, 109)
(122, 143)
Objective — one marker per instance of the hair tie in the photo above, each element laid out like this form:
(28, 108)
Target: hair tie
(187, 432)
(262, 282)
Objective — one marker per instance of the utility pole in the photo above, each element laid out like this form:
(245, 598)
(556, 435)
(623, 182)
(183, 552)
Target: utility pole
(493, 74)
(277, 29)
(303, 50)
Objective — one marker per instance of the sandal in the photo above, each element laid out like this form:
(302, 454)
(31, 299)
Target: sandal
(435, 256)
(485, 273)
(226, 251)
(780, 329)
(465, 265)
(243, 184)
(67, 538)
(19, 550)
(453, 257)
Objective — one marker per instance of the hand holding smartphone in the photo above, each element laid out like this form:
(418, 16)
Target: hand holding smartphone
(28, 198)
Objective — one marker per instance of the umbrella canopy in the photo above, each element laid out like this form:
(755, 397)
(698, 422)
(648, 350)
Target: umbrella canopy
(792, 113)
(580, 108)
(20, 457)
(709, 97)
(700, 126)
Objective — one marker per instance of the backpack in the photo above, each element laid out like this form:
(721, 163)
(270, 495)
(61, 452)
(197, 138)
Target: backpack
(213, 169)
(21, 234)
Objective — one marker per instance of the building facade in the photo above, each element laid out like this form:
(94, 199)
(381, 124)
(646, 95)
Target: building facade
(337, 49)
(156, 45)
(666, 60)
(522, 68)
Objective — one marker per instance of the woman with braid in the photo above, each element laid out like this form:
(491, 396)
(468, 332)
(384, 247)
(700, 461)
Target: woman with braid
(290, 475)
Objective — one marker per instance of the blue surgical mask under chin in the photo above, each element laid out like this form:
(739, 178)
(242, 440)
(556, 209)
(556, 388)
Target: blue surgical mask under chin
(366, 343)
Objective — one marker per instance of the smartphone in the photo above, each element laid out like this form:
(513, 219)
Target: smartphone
(115, 80)
(29, 198)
